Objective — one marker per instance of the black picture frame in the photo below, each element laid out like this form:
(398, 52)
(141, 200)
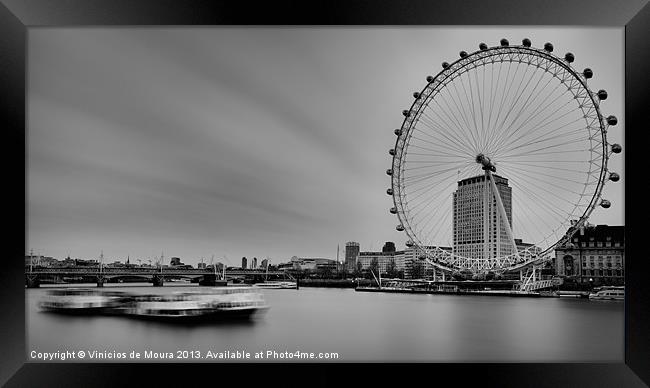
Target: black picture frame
(16, 16)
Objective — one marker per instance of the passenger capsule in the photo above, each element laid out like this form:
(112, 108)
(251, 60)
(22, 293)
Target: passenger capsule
(588, 73)
(400, 228)
(569, 57)
(614, 177)
(416, 94)
(526, 42)
(410, 243)
(463, 54)
(389, 191)
(548, 47)
(389, 172)
(392, 151)
(445, 65)
(602, 94)
(482, 46)
(398, 132)
(406, 112)
(612, 120)
(616, 148)
(605, 203)
(430, 78)
(393, 210)
(504, 42)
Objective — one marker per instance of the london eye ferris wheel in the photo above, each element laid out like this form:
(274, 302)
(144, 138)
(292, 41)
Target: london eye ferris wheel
(501, 157)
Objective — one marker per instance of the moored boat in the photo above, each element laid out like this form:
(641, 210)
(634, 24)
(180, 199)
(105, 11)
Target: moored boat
(608, 293)
(277, 284)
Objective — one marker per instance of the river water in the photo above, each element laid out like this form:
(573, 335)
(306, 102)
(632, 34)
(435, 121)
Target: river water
(356, 326)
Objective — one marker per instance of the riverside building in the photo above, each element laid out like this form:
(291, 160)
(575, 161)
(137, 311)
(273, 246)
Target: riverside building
(351, 254)
(406, 261)
(595, 254)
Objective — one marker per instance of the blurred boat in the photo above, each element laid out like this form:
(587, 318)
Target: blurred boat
(81, 300)
(213, 304)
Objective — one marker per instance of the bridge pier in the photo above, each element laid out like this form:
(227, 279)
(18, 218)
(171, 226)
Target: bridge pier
(158, 281)
(100, 281)
(32, 281)
(212, 281)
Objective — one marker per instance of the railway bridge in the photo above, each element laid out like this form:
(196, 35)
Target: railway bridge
(35, 275)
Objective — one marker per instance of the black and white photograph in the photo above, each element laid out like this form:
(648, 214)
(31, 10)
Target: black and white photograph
(324, 195)
(340, 194)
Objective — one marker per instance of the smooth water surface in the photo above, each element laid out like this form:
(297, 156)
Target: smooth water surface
(359, 326)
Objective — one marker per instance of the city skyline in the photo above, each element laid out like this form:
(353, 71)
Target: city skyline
(262, 142)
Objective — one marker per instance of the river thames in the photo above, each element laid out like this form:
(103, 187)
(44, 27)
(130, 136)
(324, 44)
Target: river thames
(355, 326)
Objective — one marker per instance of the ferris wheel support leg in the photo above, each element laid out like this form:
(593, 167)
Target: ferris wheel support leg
(502, 211)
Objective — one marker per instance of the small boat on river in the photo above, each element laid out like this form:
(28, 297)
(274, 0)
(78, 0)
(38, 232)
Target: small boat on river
(277, 284)
(608, 293)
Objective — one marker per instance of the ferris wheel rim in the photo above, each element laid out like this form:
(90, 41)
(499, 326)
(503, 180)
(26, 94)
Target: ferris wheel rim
(469, 62)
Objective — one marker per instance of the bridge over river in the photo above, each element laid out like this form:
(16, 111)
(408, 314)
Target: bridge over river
(35, 275)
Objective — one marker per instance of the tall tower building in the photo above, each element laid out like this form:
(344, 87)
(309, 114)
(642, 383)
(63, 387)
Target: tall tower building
(244, 263)
(472, 201)
(351, 253)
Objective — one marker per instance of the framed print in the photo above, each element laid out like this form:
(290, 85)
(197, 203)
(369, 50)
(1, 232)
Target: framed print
(340, 192)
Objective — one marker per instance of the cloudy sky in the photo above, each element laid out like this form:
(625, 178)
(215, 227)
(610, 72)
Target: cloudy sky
(256, 142)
